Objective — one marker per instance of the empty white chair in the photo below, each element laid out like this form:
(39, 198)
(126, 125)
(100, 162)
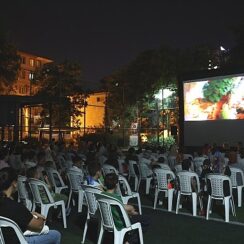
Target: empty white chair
(128, 192)
(105, 204)
(8, 223)
(24, 193)
(186, 181)
(217, 192)
(56, 180)
(237, 184)
(76, 181)
(178, 168)
(107, 168)
(163, 176)
(91, 204)
(38, 188)
(144, 174)
(133, 167)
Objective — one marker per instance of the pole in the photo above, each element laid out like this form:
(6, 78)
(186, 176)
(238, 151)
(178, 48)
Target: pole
(163, 113)
(123, 115)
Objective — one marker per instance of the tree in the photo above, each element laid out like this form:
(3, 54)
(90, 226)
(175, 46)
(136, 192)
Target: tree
(9, 63)
(64, 82)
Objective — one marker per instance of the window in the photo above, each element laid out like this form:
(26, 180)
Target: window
(98, 99)
(31, 76)
(22, 74)
(38, 63)
(23, 60)
(32, 62)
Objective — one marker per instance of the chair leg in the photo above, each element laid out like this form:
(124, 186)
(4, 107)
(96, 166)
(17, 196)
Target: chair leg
(136, 184)
(69, 199)
(194, 203)
(80, 201)
(99, 241)
(148, 183)
(155, 198)
(208, 207)
(239, 195)
(233, 206)
(227, 209)
(140, 235)
(178, 202)
(64, 215)
(84, 233)
(139, 203)
(170, 199)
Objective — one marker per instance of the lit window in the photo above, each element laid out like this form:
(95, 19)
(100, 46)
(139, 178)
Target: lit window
(38, 63)
(23, 60)
(32, 62)
(31, 76)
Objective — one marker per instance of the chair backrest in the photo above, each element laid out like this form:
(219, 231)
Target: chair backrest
(186, 180)
(237, 177)
(40, 191)
(106, 169)
(90, 198)
(55, 178)
(217, 184)
(144, 170)
(132, 166)
(164, 166)
(121, 166)
(6, 222)
(178, 168)
(75, 179)
(123, 181)
(162, 176)
(24, 191)
(188, 156)
(102, 159)
(105, 203)
(172, 161)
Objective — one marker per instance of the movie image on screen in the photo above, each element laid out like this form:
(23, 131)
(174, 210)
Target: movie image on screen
(220, 98)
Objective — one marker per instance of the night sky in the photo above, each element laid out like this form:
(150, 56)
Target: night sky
(104, 35)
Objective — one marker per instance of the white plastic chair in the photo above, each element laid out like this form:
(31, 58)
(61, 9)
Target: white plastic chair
(8, 223)
(129, 194)
(121, 163)
(133, 174)
(37, 186)
(56, 180)
(105, 203)
(76, 181)
(178, 168)
(106, 169)
(144, 174)
(91, 204)
(23, 194)
(186, 179)
(217, 193)
(237, 185)
(164, 166)
(162, 176)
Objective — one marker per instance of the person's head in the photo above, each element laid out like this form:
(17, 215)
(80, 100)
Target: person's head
(186, 164)
(33, 173)
(161, 160)
(206, 164)
(110, 181)
(77, 161)
(8, 181)
(94, 169)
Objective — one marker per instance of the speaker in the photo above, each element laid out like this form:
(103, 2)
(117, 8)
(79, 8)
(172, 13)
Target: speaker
(173, 130)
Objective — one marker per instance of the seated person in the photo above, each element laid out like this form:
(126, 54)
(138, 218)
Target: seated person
(110, 182)
(95, 175)
(35, 174)
(17, 212)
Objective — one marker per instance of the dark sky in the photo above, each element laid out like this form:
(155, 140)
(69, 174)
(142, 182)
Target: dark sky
(104, 35)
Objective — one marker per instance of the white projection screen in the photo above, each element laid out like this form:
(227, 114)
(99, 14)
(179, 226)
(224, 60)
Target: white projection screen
(214, 110)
